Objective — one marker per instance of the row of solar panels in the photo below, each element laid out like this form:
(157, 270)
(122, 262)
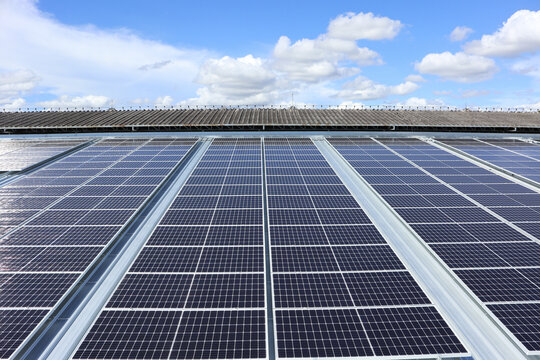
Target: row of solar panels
(17, 155)
(270, 211)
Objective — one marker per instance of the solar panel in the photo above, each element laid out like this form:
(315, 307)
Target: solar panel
(201, 271)
(519, 157)
(17, 155)
(45, 250)
(471, 225)
(330, 265)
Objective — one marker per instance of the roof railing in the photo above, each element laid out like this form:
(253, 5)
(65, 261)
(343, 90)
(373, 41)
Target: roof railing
(281, 106)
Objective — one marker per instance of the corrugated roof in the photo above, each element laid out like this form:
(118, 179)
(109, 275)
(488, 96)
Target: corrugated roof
(264, 119)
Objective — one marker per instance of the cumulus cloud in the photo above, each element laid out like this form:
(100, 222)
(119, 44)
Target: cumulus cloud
(421, 102)
(301, 64)
(231, 81)
(81, 60)
(17, 82)
(85, 66)
(460, 33)
(10, 104)
(458, 67)
(88, 101)
(363, 88)
(519, 34)
(351, 105)
(335, 53)
(163, 101)
(316, 60)
(531, 106)
(140, 101)
(14, 84)
(363, 26)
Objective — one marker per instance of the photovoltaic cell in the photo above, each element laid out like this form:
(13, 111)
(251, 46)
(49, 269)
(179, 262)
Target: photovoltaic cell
(321, 333)
(409, 330)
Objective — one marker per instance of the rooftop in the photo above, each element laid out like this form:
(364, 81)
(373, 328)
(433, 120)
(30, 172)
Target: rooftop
(268, 119)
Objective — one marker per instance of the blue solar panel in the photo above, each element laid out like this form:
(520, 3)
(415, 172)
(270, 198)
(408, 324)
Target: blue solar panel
(487, 252)
(206, 253)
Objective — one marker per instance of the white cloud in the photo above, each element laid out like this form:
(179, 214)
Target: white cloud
(17, 82)
(421, 102)
(530, 66)
(320, 59)
(534, 106)
(10, 104)
(519, 34)
(163, 101)
(89, 101)
(460, 33)
(415, 78)
(362, 26)
(531, 106)
(14, 84)
(336, 53)
(363, 88)
(81, 60)
(72, 63)
(232, 81)
(458, 67)
(140, 101)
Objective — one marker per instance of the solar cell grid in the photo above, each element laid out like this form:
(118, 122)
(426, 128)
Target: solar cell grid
(34, 290)
(408, 330)
(522, 320)
(486, 252)
(54, 243)
(321, 333)
(513, 155)
(500, 285)
(217, 266)
(302, 290)
(15, 326)
(317, 263)
(16, 155)
(227, 291)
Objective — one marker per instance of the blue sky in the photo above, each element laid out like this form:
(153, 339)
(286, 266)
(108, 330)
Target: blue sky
(161, 53)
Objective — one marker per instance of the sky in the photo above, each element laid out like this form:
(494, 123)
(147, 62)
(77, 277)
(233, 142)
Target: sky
(82, 54)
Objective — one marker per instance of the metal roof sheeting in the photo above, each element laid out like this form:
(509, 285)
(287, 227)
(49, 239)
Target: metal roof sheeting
(267, 119)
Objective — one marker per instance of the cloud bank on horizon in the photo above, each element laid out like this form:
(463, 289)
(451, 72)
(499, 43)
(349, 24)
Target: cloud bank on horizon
(47, 63)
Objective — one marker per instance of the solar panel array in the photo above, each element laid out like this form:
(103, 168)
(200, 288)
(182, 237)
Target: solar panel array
(339, 289)
(516, 156)
(16, 155)
(56, 221)
(196, 289)
(200, 287)
(472, 219)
